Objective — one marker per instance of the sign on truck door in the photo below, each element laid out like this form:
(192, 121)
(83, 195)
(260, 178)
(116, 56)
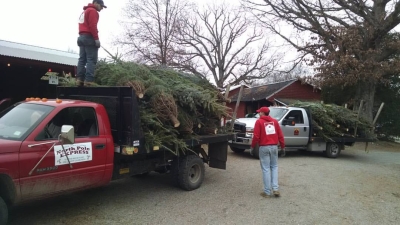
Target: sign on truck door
(296, 135)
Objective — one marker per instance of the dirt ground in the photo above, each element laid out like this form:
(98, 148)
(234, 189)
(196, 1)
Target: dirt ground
(358, 187)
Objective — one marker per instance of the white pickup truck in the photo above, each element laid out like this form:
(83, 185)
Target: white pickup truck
(297, 129)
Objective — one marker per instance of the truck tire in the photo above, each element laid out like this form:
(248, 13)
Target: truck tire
(237, 150)
(188, 172)
(332, 150)
(3, 212)
(255, 152)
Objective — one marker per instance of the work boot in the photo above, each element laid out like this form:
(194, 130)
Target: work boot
(79, 83)
(88, 84)
(263, 194)
(276, 193)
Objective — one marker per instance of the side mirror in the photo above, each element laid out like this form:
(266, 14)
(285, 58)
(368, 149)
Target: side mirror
(67, 134)
(288, 122)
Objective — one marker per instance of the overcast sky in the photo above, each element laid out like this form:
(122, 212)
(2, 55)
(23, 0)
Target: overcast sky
(54, 23)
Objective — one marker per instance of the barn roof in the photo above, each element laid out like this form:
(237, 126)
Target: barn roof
(262, 92)
(18, 50)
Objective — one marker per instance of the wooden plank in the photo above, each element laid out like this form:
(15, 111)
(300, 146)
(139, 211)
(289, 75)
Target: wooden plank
(228, 88)
(237, 106)
(358, 116)
(377, 114)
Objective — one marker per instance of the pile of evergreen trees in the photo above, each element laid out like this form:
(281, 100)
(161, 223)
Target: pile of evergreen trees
(330, 120)
(174, 106)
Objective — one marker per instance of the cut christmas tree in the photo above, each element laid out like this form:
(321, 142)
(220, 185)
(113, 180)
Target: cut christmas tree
(330, 121)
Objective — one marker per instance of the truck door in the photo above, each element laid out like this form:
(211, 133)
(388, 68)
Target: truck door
(296, 135)
(90, 145)
(53, 174)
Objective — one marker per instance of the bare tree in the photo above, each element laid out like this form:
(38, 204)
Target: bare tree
(150, 29)
(347, 39)
(288, 73)
(225, 41)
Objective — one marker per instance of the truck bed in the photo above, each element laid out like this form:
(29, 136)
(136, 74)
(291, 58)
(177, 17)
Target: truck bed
(123, 110)
(342, 139)
(209, 139)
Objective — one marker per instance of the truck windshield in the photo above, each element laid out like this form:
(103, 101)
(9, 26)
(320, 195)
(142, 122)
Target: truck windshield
(277, 113)
(17, 121)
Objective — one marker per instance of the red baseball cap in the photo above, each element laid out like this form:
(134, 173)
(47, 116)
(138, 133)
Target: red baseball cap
(263, 109)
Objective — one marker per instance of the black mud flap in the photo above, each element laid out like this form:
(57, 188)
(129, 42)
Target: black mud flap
(218, 154)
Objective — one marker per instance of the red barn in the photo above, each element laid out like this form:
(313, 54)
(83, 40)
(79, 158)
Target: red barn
(280, 93)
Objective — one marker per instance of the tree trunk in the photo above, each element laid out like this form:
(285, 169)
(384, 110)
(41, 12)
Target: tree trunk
(366, 91)
(174, 120)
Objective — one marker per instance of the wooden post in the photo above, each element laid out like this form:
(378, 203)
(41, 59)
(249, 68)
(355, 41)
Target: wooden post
(358, 116)
(237, 106)
(377, 114)
(373, 123)
(228, 88)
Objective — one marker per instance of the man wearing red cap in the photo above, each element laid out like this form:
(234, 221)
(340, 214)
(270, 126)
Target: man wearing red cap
(267, 133)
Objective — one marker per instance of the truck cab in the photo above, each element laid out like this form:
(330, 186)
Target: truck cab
(29, 129)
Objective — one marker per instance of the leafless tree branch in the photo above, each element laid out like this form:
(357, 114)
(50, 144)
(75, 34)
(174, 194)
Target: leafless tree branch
(150, 29)
(226, 43)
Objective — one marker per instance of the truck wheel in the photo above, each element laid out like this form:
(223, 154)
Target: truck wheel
(3, 212)
(189, 173)
(237, 150)
(255, 152)
(332, 150)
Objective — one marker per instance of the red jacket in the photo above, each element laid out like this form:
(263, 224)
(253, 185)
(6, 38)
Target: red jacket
(88, 21)
(267, 132)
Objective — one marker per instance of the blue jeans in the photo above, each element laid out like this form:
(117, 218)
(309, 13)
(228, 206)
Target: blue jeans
(87, 57)
(269, 166)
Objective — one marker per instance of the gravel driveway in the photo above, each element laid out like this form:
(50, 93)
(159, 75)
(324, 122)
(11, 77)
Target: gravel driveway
(356, 188)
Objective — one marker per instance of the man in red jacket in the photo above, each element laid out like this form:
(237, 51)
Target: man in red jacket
(267, 133)
(88, 42)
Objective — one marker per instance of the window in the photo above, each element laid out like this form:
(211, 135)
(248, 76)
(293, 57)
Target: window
(297, 115)
(277, 113)
(18, 121)
(82, 118)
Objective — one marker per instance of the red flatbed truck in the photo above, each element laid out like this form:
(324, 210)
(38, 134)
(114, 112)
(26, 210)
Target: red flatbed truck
(106, 144)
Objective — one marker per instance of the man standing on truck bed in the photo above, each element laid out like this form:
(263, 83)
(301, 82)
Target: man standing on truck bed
(267, 133)
(88, 42)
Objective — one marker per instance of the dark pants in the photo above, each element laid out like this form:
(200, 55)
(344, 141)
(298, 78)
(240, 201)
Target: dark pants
(87, 57)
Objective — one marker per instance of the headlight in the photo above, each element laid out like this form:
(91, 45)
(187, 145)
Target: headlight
(249, 129)
(249, 135)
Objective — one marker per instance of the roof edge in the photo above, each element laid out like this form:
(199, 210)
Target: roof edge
(35, 46)
(292, 81)
(277, 100)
